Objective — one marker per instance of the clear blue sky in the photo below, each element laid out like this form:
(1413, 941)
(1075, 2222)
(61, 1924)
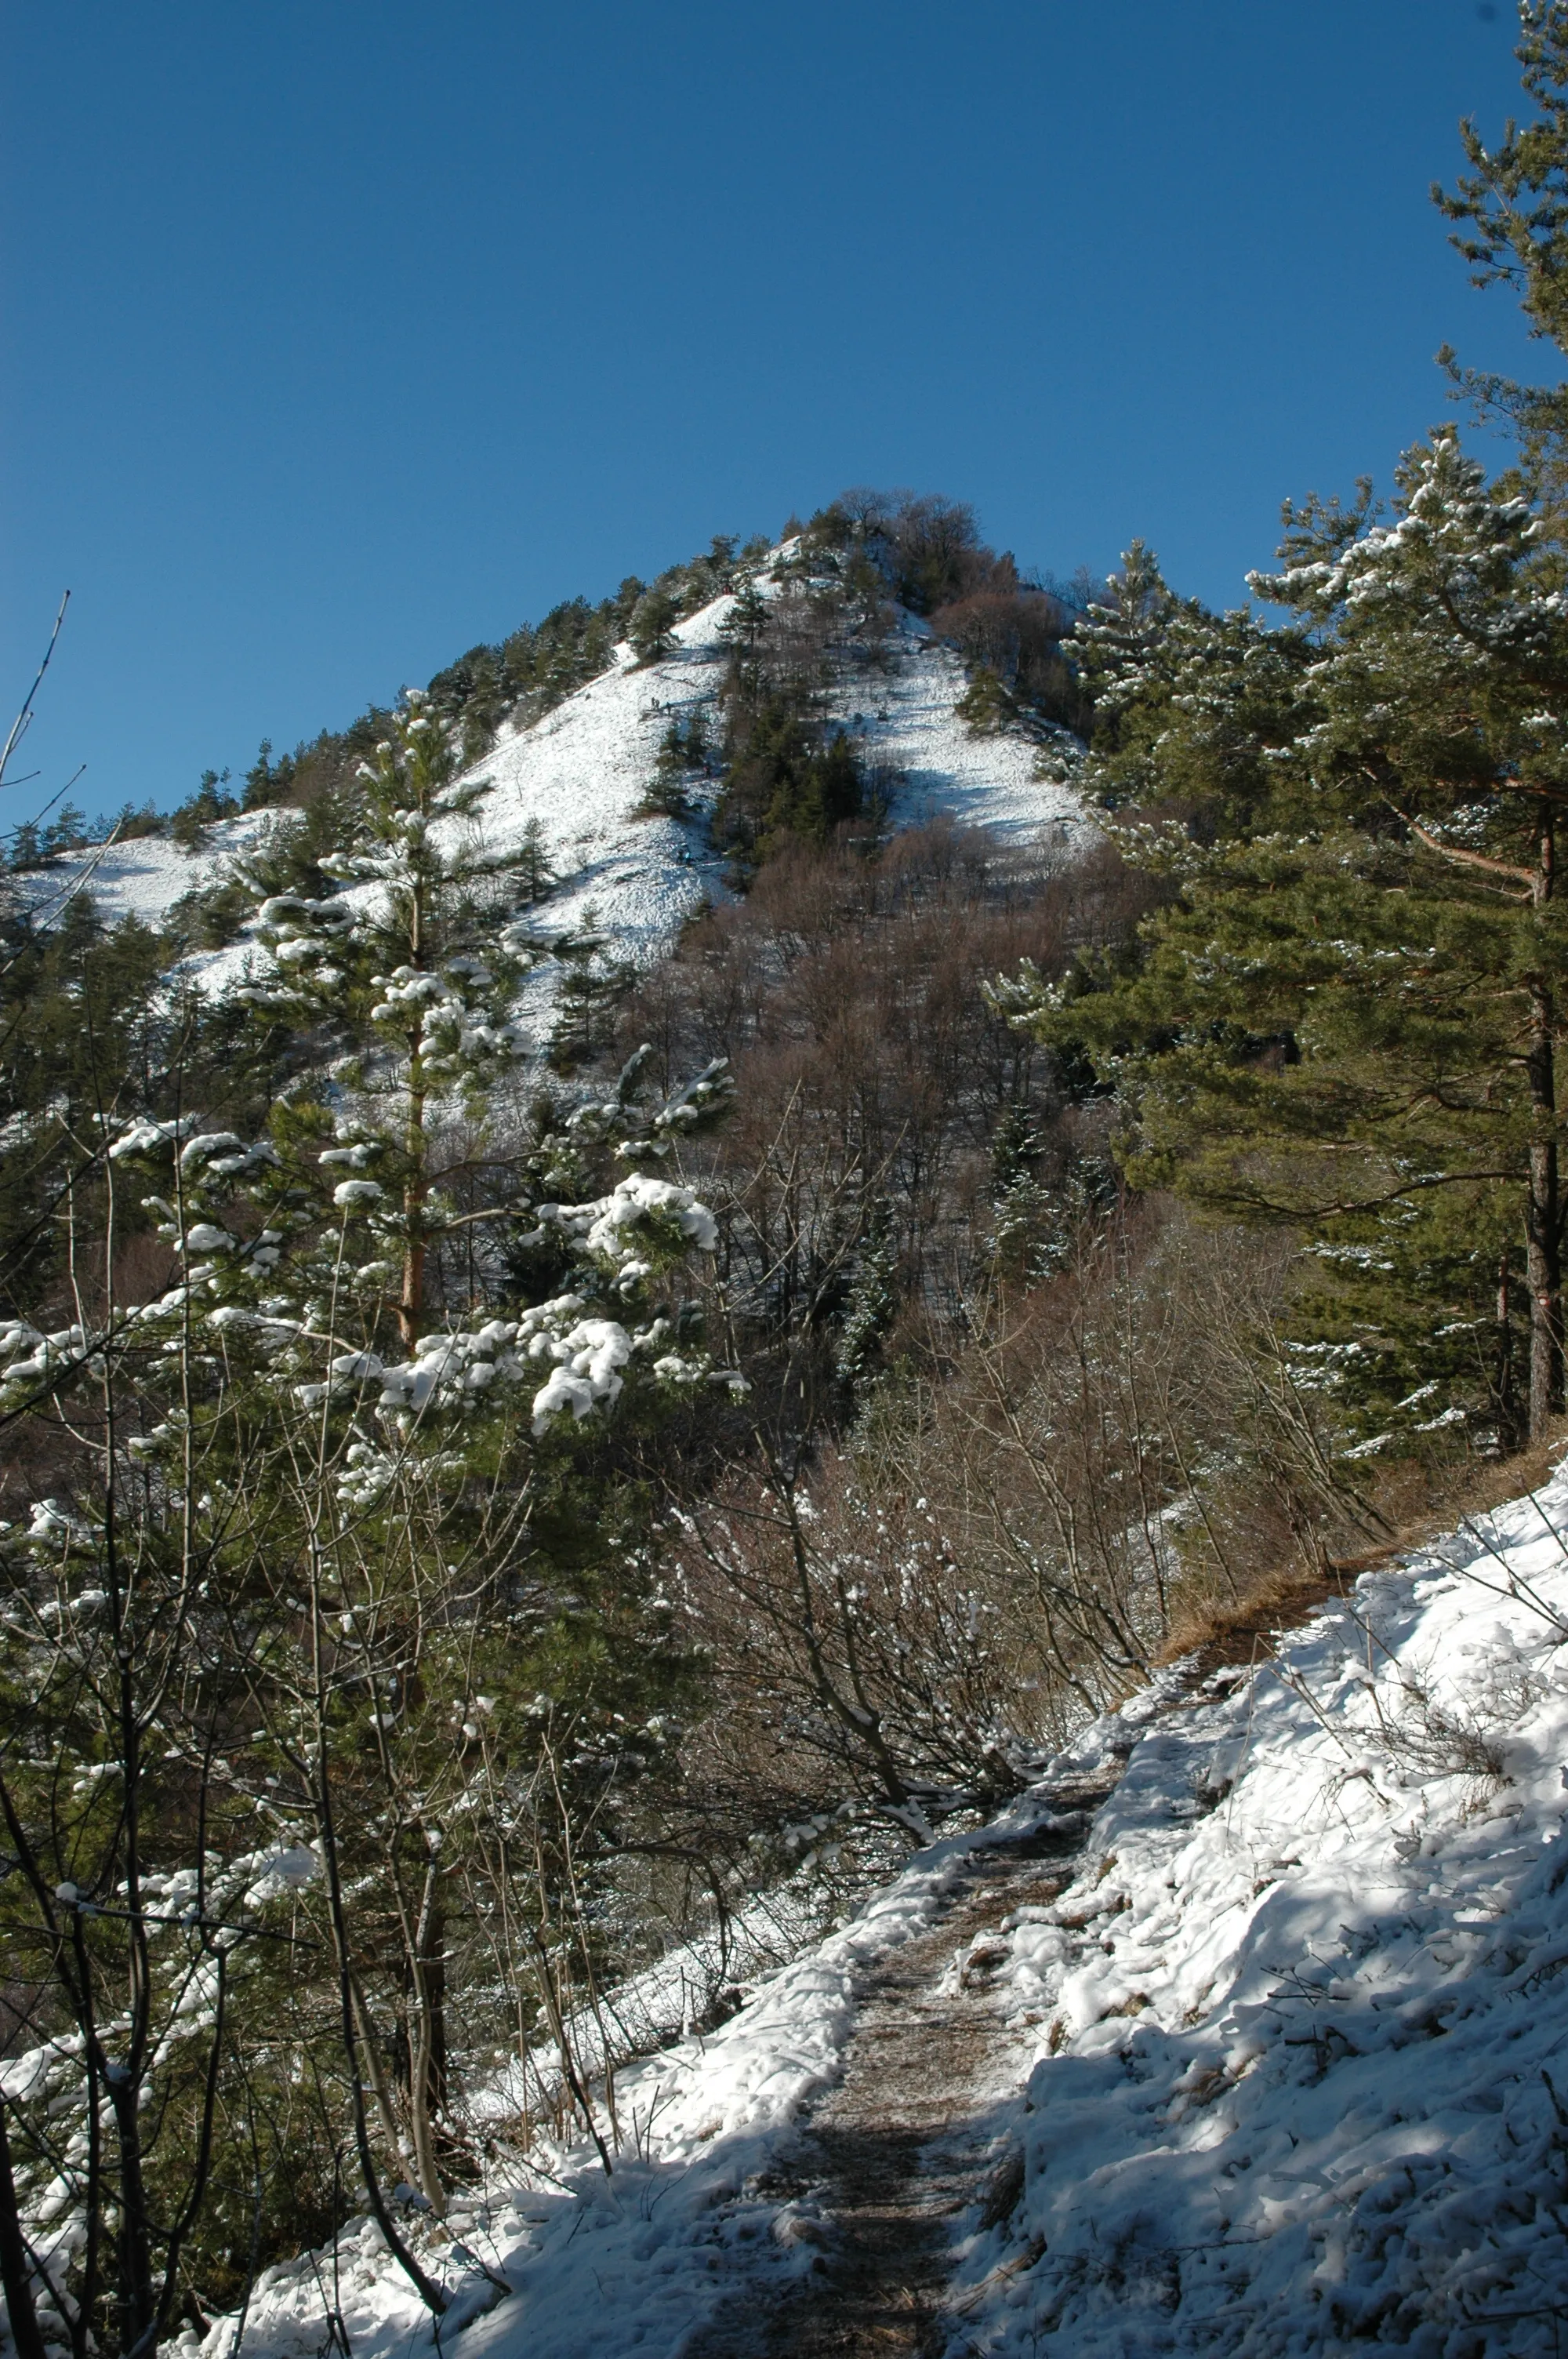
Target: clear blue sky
(343, 334)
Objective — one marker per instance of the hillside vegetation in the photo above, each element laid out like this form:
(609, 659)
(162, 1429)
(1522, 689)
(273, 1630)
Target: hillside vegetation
(735, 1221)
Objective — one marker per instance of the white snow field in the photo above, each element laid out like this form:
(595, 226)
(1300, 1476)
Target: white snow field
(582, 771)
(142, 878)
(1289, 2057)
(1301, 2031)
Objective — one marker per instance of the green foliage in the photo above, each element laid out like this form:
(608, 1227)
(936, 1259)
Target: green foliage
(684, 757)
(287, 860)
(745, 626)
(1021, 1199)
(529, 865)
(588, 998)
(525, 676)
(870, 1302)
(268, 782)
(40, 840)
(325, 1600)
(786, 779)
(1345, 1015)
(985, 705)
(33, 843)
(132, 820)
(189, 820)
(1512, 212)
(86, 1036)
(653, 622)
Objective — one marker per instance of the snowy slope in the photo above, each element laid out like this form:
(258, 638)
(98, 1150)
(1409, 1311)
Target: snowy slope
(581, 773)
(143, 878)
(985, 782)
(1309, 2086)
(582, 770)
(637, 2262)
(1291, 2055)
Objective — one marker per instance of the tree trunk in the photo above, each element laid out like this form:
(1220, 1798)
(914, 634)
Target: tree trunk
(1544, 1268)
(428, 2035)
(1543, 1237)
(138, 2317)
(416, 1183)
(411, 1309)
(16, 2270)
(1505, 1381)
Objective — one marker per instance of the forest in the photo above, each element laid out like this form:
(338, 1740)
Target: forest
(480, 1516)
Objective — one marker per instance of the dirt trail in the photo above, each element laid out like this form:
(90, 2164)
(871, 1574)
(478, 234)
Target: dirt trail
(908, 2138)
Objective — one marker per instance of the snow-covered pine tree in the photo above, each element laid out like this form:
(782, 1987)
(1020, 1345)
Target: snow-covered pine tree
(651, 627)
(410, 972)
(871, 1303)
(398, 1564)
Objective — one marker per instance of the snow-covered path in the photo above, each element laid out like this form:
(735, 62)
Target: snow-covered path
(915, 2135)
(1279, 2071)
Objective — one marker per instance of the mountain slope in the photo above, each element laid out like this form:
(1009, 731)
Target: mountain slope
(582, 771)
(143, 878)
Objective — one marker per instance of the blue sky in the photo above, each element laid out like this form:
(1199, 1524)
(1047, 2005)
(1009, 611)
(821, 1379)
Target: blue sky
(342, 335)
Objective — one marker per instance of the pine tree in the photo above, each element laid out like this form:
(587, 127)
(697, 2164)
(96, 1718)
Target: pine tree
(986, 707)
(871, 1302)
(591, 989)
(1350, 1014)
(410, 974)
(1512, 212)
(402, 1561)
(746, 624)
(651, 627)
(530, 864)
(1022, 1241)
(683, 755)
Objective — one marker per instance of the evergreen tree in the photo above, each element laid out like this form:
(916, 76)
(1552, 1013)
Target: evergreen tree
(746, 624)
(1512, 209)
(211, 802)
(871, 1303)
(591, 989)
(409, 974)
(1021, 1199)
(530, 864)
(266, 781)
(986, 706)
(1350, 1014)
(651, 625)
(683, 756)
(407, 1562)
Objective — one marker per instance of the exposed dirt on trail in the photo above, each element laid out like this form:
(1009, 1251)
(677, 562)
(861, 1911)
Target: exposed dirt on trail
(910, 2136)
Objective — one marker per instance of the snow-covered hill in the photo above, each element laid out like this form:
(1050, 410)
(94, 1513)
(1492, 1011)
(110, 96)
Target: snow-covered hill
(142, 878)
(1281, 2069)
(583, 770)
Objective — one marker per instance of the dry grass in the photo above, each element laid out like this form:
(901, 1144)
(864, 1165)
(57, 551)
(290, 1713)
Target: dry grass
(1219, 1633)
(1416, 1501)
